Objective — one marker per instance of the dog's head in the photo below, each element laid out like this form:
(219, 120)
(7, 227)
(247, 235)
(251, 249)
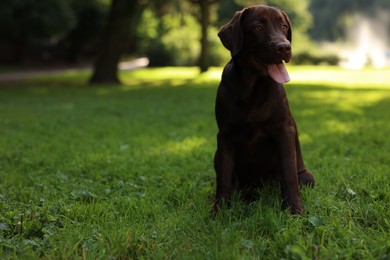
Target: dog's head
(263, 34)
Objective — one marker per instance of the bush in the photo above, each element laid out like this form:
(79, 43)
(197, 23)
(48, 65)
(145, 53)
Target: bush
(159, 55)
(172, 39)
(218, 54)
(308, 58)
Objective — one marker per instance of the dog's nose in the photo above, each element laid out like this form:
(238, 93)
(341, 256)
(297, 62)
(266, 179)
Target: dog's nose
(283, 49)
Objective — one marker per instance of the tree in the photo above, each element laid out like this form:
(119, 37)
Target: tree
(25, 23)
(299, 15)
(205, 22)
(123, 14)
(82, 41)
(298, 11)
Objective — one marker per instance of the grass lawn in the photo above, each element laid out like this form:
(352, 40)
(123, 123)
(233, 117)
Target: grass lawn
(126, 172)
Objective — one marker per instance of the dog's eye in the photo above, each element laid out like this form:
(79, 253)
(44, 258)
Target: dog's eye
(284, 27)
(259, 27)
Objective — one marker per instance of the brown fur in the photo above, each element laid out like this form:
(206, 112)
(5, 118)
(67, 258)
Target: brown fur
(257, 138)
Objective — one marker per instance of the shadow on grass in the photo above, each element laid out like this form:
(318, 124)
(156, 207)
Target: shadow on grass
(144, 151)
(176, 116)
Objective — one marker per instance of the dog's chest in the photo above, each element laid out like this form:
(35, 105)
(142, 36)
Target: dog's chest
(261, 105)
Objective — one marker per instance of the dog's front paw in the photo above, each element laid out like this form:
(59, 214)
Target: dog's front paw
(306, 178)
(216, 209)
(218, 204)
(293, 205)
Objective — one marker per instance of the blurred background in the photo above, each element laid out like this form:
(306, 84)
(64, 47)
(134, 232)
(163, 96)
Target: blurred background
(350, 33)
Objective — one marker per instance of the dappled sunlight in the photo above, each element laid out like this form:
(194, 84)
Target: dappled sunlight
(324, 75)
(213, 74)
(325, 106)
(346, 101)
(163, 73)
(336, 76)
(182, 147)
(156, 77)
(170, 76)
(185, 146)
(134, 84)
(305, 138)
(311, 131)
(335, 126)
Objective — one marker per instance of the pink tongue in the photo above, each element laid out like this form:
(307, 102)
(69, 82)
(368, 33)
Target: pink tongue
(278, 72)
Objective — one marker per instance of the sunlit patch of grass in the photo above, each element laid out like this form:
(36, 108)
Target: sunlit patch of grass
(183, 147)
(157, 76)
(176, 77)
(165, 73)
(325, 75)
(336, 76)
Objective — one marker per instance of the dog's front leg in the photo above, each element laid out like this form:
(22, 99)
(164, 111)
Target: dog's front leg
(224, 168)
(305, 177)
(289, 180)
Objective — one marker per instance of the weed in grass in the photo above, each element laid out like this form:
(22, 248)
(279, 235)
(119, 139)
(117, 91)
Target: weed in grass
(126, 172)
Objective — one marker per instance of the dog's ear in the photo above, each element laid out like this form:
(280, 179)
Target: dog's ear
(231, 33)
(289, 32)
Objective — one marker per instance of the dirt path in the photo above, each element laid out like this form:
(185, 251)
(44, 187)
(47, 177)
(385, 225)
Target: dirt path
(27, 74)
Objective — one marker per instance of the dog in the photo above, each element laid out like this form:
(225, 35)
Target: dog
(257, 138)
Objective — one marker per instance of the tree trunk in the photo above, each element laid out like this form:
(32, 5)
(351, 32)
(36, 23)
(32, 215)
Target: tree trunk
(114, 41)
(17, 52)
(205, 21)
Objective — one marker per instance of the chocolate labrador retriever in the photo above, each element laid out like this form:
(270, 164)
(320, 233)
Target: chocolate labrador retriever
(257, 138)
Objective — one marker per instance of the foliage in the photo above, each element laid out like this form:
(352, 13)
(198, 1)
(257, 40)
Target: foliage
(313, 58)
(333, 29)
(297, 11)
(168, 40)
(63, 29)
(127, 172)
(173, 39)
(168, 31)
(91, 18)
(226, 10)
(32, 19)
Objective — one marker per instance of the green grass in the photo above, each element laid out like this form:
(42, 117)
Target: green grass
(126, 172)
